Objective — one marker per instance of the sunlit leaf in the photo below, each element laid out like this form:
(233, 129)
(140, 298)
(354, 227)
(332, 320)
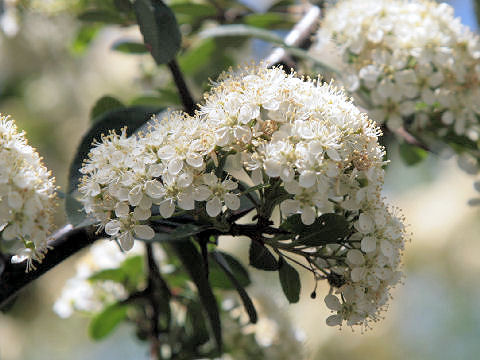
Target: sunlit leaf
(106, 321)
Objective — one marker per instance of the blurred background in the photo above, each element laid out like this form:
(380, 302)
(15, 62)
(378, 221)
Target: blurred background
(49, 80)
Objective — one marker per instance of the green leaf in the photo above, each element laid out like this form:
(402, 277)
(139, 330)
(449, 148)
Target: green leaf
(182, 232)
(134, 269)
(237, 30)
(218, 276)
(268, 20)
(103, 323)
(228, 264)
(123, 5)
(411, 154)
(290, 281)
(192, 9)
(195, 324)
(103, 16)
(104, 104)
(132, 117)
(327, 229)
(197, 57)
(159, 29)
(261, 258)
(129, 47)
(240, 30)
(117, 275)
(84, 37)
(193, 263)
(130, 271)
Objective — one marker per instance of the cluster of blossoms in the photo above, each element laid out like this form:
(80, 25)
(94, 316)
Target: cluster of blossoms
(27, 196)
(80, 294)
(368, 268)
(410, 62)
(165, 168)
(277, 130)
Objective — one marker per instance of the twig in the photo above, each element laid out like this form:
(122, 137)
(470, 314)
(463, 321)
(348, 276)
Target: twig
(185, 95)
(153, 281)
(64, 243)
(412, 140)
(299, 36)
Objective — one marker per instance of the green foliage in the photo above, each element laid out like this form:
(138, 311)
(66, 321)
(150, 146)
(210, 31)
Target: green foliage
(104, 104)
(129, 47)
(197, 56)
(268, 20)
(103, 323)
(290, 281)
(225, 267)
(261, 258)
(193, 263)
(159, 29)
(181, 233)
(412, 155)
(83, 38)
(327, 229)
(236, 273)
(193, 9)
(130, 273)
(131, 117)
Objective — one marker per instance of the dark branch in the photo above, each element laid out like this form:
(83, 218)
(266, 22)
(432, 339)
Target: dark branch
(153, 280)
(185, 95)
(64, 243)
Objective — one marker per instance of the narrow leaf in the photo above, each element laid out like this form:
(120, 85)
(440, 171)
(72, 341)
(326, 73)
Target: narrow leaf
(220, 279)
(290, 281)
(182, 232)
(159, 29)
(106, 321)
(221, 259)
(268, 20)
(192, 261)
(261, 258)
(117, 275)
(129, 47)
(241, 30)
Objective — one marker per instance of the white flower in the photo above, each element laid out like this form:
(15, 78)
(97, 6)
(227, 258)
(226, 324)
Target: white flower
(27, 196)
(217, 193)
(411, 59)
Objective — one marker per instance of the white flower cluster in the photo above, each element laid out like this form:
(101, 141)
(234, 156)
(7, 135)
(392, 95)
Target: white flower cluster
(369, 267)
(280, 130)
(409, 62)
(27, 196)
(83, 295)
(124, 177)
(326, 154)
